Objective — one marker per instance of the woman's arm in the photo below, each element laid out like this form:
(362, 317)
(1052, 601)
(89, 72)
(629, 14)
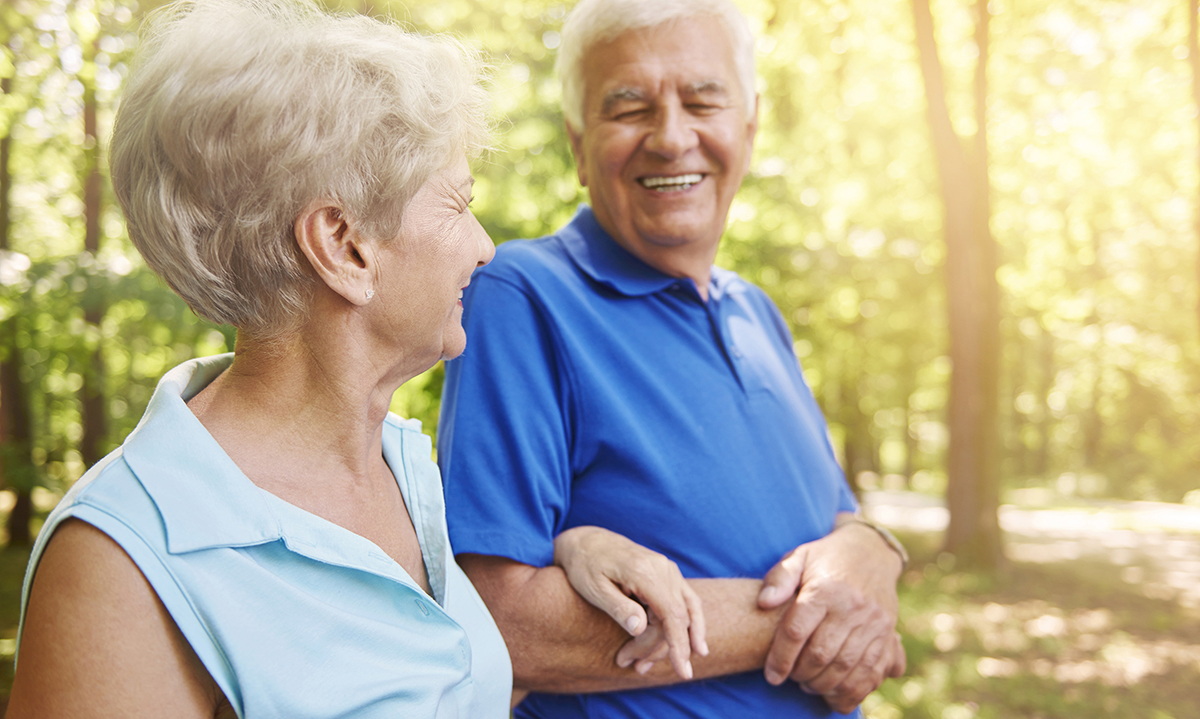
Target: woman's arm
(98, 642)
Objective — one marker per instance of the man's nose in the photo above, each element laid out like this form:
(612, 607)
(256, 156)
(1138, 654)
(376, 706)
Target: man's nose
(673, 133)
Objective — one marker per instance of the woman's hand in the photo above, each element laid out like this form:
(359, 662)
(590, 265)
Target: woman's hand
(610, 571)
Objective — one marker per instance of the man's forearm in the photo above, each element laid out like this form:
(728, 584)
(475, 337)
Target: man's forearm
(560, 643)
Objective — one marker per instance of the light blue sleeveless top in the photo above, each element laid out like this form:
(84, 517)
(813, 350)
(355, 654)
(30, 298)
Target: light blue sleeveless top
(292, 615)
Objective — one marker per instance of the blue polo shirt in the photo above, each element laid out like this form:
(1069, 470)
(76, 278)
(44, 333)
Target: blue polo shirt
(292, 616)
(596, 390)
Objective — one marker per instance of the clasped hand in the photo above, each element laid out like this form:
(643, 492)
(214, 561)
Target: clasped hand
(836, 637)
(609, 571)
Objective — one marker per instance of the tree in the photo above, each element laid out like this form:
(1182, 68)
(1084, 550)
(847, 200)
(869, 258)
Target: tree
(91, 394)
(1194, 61)
(973, 302)
(16, 435)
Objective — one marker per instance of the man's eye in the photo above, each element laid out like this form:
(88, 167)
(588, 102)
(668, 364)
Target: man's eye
(630, 114)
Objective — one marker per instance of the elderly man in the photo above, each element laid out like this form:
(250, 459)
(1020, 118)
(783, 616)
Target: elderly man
(615, 378)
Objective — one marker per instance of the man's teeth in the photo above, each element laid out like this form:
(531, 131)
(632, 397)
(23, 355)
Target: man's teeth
(667, 184)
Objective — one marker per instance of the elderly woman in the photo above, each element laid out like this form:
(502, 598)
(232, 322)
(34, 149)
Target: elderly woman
(269, 541)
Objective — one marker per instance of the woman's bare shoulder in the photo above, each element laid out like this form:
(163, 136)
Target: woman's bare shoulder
(97, 642)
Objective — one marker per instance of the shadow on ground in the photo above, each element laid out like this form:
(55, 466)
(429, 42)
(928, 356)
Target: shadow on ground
(1089, 618)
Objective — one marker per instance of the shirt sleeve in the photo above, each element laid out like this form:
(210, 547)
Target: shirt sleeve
(503, 435)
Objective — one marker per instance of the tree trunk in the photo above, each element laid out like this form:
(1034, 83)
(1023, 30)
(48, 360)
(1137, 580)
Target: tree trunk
(1194, 62)
(1045, 423)
(16, 467)
(91, 394)
(972, 296)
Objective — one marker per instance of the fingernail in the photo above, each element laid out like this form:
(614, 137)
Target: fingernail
(703, 649)
(632, 624)
(687, 670)
(624, 662)
(773, 677)
(806, 689)
(643, 667)
(767, 594)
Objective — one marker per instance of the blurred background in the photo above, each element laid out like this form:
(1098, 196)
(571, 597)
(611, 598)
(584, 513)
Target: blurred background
(979, 219)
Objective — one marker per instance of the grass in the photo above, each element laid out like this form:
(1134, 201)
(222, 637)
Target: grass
(1034, 641)
(1039, 641)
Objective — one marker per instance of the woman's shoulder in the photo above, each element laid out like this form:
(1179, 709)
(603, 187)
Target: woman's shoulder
(89, 592)
(110, 489)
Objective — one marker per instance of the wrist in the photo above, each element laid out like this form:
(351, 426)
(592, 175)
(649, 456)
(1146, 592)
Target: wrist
(567, 543)
(884, 535)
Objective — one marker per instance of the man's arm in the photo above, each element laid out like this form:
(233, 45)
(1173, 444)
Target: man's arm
(560, 643)
(839, 625)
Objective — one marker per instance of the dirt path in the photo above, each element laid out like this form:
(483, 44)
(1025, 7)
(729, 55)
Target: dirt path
(1151, 544)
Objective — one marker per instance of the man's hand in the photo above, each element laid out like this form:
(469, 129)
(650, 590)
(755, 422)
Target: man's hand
(838, 638)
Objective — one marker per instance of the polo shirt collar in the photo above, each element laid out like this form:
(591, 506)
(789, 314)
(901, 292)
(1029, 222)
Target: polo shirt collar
(599, 256)
(204, 499)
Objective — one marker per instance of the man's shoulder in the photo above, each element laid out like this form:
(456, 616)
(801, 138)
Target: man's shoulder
(531, 265)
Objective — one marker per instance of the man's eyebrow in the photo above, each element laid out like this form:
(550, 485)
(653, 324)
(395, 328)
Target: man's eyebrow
(703, 87)
(621, 94)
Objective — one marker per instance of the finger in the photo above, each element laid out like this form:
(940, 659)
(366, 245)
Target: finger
(697, 629)
(667, 597)
(842, 705)
(849, 655)
(823, 648)
(610, 600)
(868, 637)
(641, 646)
(643, 665)
(899, 658)
(856, 680)
(791, 635)
(783, 581)
(864, 679)
(676, 625)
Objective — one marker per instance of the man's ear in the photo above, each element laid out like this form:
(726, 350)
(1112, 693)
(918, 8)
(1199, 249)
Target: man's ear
(338, 253)
(576, 138)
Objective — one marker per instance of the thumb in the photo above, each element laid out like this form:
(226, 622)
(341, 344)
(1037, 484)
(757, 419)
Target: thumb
(783, 581)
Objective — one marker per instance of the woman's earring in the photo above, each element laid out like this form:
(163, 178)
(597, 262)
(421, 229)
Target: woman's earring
(370, 294)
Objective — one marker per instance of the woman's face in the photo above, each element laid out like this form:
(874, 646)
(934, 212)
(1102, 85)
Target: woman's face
(423, 271)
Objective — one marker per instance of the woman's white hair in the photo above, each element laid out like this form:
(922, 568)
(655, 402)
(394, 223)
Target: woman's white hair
(239, 113)
(597, 21)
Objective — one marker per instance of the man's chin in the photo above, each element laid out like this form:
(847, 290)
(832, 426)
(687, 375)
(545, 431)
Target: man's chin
(678, 234)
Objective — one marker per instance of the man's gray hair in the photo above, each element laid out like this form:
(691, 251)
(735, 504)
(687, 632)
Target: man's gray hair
(239, 113)
(597, 21)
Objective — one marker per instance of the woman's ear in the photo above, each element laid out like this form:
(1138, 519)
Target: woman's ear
(340, 256)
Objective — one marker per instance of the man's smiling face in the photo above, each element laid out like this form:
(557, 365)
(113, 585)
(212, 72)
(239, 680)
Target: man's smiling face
(666, 139)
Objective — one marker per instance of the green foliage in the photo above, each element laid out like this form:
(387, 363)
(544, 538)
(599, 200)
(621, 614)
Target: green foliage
(1092, 149)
